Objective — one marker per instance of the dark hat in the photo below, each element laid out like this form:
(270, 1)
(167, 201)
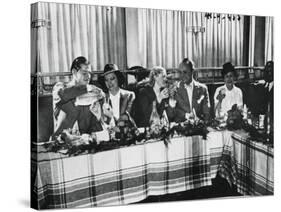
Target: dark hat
(226, 68)
(110, 68)
(136, 68)
(77, 62)
(139, 71)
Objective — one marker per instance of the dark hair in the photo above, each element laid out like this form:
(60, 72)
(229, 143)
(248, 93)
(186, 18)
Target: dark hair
(140, 72)
(228, 67)
(101, 80)
(111, 68)
(136, 68)
(77, 62)
(269, 64)
(120, 77)
(187, 62)
(268, 71)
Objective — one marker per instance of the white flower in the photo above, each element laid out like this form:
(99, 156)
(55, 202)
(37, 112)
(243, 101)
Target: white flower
(200, 99)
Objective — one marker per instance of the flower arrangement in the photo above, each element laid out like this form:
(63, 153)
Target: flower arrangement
(72, 144)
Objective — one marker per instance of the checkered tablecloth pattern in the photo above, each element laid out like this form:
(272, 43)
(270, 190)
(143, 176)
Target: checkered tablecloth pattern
(220, 147)
(120, 176)
(255, 166)
(131, 174)
(242, 162)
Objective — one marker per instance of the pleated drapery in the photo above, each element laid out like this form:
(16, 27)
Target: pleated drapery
(269, 38)
(162, 37)
(95, 32)
(132, 36)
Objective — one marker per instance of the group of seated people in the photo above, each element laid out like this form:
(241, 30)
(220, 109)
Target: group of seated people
(91, 109)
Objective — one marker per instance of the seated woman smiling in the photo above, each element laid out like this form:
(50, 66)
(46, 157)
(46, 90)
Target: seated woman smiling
(156, 92)
(227, 95)
(118, 102)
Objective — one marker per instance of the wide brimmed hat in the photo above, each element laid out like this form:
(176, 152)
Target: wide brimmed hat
(110, 68)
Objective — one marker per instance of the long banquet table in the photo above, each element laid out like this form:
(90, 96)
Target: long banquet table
(131, 174)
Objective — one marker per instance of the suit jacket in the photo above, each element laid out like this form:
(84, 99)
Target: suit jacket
(143, 106)
(126, 101)
(200, 102)
(66, 113)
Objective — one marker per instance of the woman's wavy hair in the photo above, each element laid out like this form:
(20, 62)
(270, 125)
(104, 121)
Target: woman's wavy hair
(155, 71)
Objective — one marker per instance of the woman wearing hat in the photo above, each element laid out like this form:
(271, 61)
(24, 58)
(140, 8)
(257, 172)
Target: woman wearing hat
(118, 102)
(228, 94)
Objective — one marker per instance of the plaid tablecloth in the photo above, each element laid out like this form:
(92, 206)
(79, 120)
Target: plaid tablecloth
(255, 166)
(243, 162)
(120, 176)
(219, 145)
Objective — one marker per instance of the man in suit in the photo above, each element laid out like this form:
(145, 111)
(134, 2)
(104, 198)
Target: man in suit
(67, 106)
(191, 98)
(261, 93)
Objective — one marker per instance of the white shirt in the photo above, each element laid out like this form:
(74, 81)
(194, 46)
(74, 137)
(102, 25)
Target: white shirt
(233, 96)
(189, 89)
(269, 85)
(115, 102)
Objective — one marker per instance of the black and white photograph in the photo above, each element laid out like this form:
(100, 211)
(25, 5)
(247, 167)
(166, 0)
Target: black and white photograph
(142, 105)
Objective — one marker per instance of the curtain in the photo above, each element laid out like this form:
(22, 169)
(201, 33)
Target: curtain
(33, 42)
(223, 40)
(269, 39)
(131, 36)
(252, 33)
(162, 37)
(96, 32)
(261, 40)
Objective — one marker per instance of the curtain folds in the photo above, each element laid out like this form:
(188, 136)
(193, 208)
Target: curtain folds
(251, 59)
(132, 36)
(163, 37)
(95, 32)
(269, 38)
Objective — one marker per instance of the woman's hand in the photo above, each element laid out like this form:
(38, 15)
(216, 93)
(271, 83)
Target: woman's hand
(221, 95)
(172, 90)
(163, 94)
(107, 110)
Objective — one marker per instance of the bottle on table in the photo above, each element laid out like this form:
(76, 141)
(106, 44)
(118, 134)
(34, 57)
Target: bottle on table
(261, 121)
(154, 120)
(249, 118)
(165, 121)
(268, 123)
